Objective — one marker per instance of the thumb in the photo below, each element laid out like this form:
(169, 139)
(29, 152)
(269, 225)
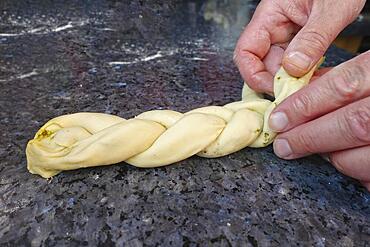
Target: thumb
(312, 41)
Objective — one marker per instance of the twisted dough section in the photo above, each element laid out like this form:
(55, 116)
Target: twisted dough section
(159, 137)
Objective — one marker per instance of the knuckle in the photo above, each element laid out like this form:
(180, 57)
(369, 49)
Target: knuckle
(307, 142)
(315, 41)
(358, 122)
(253, 84)
(291, 8)
(239, 54)
(347, 83)
(302, 105)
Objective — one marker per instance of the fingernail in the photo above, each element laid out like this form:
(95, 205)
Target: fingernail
(300, 60)
(282, 148)
(278, 121)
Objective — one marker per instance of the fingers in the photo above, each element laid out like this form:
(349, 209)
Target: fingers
(254, 72)
(327, 19)
(345, 128)
(340, 86)
(354, 163)
(272, 60)
(267, 27)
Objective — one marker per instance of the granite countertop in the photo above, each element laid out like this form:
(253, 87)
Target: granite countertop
(125, 58)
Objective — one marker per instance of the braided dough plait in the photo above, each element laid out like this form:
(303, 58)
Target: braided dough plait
(160, 137)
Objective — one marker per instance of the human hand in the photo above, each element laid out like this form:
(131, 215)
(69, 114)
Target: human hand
(330, 115)
(293, 33)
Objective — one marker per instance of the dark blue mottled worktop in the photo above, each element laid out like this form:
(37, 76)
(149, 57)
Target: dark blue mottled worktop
(125, 58)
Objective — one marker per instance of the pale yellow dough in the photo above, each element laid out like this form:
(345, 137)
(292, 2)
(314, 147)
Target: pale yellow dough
(160, 137)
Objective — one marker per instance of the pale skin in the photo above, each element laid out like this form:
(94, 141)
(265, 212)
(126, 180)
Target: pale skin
(329, 116)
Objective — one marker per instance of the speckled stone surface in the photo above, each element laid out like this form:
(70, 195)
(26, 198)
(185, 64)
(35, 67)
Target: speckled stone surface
(125, 58)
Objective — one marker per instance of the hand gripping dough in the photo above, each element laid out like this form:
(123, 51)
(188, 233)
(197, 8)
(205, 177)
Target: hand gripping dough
(159, 137)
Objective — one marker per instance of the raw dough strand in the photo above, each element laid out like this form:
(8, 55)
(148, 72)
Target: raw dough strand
(160, 137)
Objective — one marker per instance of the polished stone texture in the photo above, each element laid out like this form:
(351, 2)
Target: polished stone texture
(125, 58)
